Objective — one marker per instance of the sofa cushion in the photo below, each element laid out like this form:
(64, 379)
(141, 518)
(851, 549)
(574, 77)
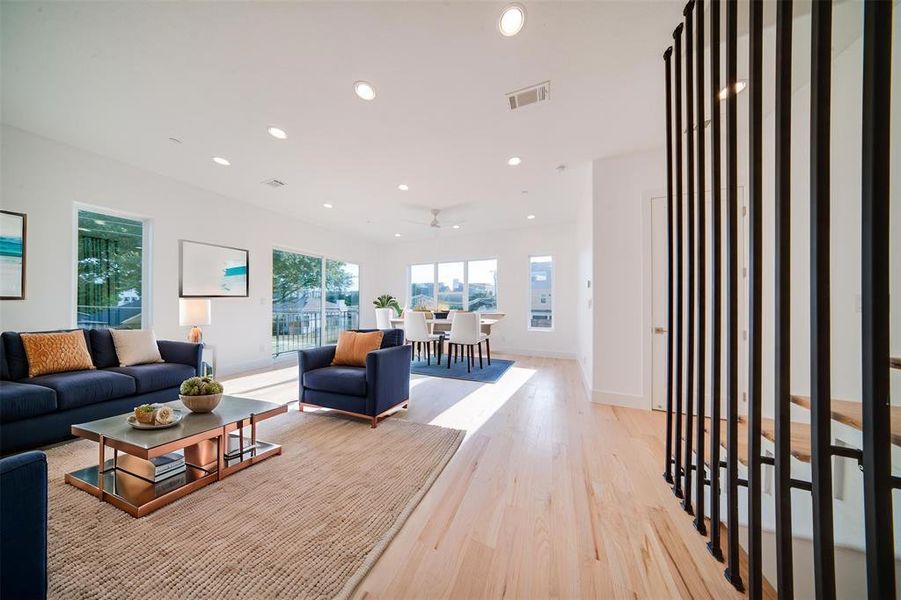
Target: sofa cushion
(103, 349)
(339, 380)
(159, 376)
(80, 388)
(21, 401)
(136, 347)
(353, 346)
(16, 359)
(58, 352)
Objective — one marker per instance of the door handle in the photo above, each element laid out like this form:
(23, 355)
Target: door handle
(659, 330)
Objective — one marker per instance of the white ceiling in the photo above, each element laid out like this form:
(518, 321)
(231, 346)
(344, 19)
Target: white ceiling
(119, 79)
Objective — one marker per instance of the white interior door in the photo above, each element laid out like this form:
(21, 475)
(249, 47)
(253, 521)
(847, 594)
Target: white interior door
(659, 273)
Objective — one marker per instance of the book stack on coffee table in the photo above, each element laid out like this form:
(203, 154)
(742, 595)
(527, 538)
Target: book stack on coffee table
(155, 469)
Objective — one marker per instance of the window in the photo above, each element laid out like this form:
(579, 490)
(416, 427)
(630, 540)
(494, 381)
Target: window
(342, 300)
(541, 289)
(110, 271)
(482, 285)
(470, 285)
(300, 318)
(450, 286)
(422, 286)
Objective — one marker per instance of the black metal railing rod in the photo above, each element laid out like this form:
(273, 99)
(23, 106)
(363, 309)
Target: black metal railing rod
(875, 171)
(679, 306)
(800, 484)
(782, 350)
(668, 471)
(716, 244)
(768, 460)
(847, 452)
(732, 571)
(689, 148)
(820, 334)
(701, 189)
(755, 288)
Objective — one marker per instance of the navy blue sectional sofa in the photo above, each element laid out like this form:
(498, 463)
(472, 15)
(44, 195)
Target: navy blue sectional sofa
(40, 410)
(23, 526)
(371, 391)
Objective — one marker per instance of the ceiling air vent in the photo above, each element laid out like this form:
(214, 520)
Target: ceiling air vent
(530, 95)
(274, 183)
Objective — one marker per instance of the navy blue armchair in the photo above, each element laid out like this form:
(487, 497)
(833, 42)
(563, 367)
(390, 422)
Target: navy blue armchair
(23, 526)
(371, 392)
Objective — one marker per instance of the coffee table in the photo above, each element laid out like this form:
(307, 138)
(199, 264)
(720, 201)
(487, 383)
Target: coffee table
(204, 438)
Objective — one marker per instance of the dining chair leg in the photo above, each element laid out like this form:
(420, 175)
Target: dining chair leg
(428, 353)
(480, 355)
(450, 350)
(488, 349)
(439, 344)
(468, 358)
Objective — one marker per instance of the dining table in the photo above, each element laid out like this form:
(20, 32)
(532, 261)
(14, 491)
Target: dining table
(444, 325)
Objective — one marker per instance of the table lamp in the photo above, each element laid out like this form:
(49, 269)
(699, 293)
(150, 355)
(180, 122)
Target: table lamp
(191, 313)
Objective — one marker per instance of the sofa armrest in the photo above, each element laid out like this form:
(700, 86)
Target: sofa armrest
(23, 525)
(387, 378)
(183, 353)
(312, 359)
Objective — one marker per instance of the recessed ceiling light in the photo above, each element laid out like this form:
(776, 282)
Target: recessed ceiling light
(530, 217)
(364, 90)
(327, 205)
(512, 19)
(396, 235)
(278, 133)
(456, 227)
(514, 161)
(221, 161)
(403, 187)
(740, 85)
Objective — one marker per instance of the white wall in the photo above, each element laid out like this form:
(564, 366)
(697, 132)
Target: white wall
(623, 187)
(512, 249)
(45, 179)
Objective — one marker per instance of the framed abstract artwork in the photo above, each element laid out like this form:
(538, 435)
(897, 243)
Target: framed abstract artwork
(12, 255)
(212, 271)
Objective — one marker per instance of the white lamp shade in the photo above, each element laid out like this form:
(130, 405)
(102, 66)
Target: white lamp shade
(193, 311)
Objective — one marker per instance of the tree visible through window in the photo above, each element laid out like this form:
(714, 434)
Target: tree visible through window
(110, 271)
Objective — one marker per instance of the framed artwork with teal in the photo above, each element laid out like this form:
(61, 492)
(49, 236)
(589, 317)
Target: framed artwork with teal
(212, 271)
(13, 228)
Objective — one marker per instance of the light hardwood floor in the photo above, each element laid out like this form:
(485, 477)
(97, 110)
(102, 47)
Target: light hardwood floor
(549, 496)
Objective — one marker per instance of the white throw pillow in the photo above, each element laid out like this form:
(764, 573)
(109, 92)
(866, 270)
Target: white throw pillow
(136, 346)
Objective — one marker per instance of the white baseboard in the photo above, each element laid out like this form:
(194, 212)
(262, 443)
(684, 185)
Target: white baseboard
(617, 399)
(535, 353)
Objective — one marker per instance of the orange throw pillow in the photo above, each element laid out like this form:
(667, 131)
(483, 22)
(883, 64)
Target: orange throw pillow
(353, 347)
(56, 352)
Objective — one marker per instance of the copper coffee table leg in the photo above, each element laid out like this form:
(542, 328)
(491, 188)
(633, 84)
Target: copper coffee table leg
(101, 475)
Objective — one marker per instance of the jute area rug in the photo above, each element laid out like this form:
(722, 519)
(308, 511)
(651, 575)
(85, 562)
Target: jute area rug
(307, 524)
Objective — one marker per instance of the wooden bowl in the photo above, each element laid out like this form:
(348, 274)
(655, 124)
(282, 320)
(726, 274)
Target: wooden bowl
(201, 404)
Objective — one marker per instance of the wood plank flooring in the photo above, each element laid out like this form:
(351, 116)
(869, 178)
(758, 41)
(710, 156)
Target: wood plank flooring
(549, 496)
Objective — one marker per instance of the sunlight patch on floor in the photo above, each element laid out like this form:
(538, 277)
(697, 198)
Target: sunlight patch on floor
(474, 410)
(245, 384)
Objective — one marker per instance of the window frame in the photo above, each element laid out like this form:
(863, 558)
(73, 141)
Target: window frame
(323, 270)
(465, 262)
(553, 294)
(146, 259)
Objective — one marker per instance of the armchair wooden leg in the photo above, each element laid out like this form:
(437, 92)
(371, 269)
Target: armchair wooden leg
(375, 422)
(480, 355)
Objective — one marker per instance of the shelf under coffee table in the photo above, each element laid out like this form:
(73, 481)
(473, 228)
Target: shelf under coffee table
(202, 437)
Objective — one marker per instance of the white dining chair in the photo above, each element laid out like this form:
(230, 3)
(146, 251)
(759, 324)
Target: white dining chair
(466, 333)
(383, 318)
(417, 332)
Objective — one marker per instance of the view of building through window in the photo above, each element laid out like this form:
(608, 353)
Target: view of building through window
(541, 287)
(110, 271)
(300, 317)
(470, 285)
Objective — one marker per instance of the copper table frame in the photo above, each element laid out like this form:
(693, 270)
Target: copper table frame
(219, 468)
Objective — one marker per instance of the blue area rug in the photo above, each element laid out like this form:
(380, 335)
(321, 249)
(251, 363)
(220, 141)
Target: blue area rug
(488, 374)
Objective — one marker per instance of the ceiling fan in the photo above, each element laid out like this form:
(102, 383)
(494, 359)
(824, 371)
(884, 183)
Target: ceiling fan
(435, 223)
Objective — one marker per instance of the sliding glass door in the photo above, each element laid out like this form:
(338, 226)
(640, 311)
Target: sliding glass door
(342, 306)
